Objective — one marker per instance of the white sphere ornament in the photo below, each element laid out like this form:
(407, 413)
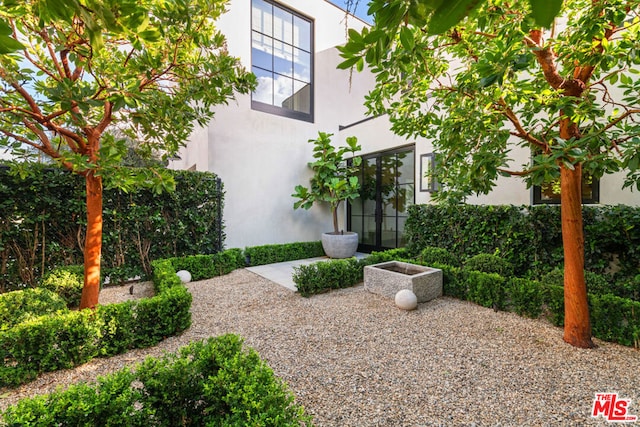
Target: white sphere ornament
(406, 300)
(184, 276)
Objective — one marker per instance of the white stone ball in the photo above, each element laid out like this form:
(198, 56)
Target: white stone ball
(406, 300)
(184, 276)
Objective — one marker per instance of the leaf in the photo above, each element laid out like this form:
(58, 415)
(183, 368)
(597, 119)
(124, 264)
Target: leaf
(5, 29)
(9, 45)
(491, 79)
(406, 38)
(449, 13)
(355, 36)
(348, 63)
(544, 11)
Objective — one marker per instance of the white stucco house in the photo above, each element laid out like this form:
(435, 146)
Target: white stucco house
(258, 145)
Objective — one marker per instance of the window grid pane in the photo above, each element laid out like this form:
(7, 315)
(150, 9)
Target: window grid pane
(281, 58)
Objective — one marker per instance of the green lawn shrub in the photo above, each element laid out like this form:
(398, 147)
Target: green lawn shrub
(207, 266)
(65, 339)
(597, 284)
(270, 254)
(435, 255)
(323, 276)
(119, 328)
(453, 281)
(529, 237)
(615, 319)
(525, 297)
(66, 281)
(489, 263)
(399, 254)
(207, 383)
(19, 306)
(485, 289)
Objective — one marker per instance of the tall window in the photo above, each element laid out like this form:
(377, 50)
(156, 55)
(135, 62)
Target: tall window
(282, 60)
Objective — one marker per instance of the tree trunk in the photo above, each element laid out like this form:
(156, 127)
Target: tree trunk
(93, 242)
(577, 328)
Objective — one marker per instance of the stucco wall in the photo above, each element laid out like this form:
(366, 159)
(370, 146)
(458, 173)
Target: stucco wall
(261, 157)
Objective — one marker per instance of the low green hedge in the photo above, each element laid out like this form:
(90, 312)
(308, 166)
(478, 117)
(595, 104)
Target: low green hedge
(38, 334)
(207, 266)
(212, 383)
(613, 318)
(19, 306)
(68, 338)
(270, 254)
(67, 282)
(489, 263)
(323, 276)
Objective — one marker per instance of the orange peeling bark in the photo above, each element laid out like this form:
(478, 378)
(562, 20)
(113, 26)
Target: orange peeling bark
(577, 327)
(93, 243)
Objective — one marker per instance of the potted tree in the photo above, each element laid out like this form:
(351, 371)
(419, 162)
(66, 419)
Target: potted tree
(334, 181)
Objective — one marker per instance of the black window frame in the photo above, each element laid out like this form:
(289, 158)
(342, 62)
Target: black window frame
(594, 200)
(282, 111)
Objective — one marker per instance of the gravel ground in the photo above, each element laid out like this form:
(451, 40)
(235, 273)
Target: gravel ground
(353, 359)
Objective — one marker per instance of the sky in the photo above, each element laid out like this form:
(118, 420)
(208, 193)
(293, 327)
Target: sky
(361, 10)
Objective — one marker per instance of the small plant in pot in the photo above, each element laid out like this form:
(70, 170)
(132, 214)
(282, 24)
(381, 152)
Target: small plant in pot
(334, 181)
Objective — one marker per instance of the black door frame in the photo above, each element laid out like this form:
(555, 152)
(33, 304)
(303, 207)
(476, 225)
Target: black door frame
(378, 155)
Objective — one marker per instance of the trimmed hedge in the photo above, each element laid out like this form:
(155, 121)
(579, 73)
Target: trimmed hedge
(489, 263)
(528, 237)
(43, 216)
(323, 276)
(270, 254)
(435, 255)
(41, 344)
(213, 383)
(65, 339)
(66, 281)
(613, 318)
(19, 306)
(207, 266)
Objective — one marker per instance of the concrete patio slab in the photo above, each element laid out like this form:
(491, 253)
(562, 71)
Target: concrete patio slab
(282, 272)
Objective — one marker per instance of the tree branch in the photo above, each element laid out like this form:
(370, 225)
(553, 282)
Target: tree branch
(52, 52)
(514, 173)
(619, 119)
(23, 93)
(521, 132)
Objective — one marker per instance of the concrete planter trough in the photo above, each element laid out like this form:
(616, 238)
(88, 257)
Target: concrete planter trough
(388, 278)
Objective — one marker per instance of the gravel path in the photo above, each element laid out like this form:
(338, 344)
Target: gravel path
(353, 359)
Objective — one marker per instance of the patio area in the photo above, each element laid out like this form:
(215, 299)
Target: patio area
(282, 272)
(353, 359)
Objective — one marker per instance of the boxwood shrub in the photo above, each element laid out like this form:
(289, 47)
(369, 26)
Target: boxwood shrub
(489, 263)
(323, 276)
(270, 254)
(213, 383)
(19, 306)
(435, 255)
(63, 339)
(207, 266)
(66, 281)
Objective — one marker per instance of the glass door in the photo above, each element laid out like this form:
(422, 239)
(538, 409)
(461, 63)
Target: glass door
(387, 190)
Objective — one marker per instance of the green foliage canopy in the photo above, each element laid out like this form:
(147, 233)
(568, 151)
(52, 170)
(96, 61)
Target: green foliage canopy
(498, 81)
(71, 69)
